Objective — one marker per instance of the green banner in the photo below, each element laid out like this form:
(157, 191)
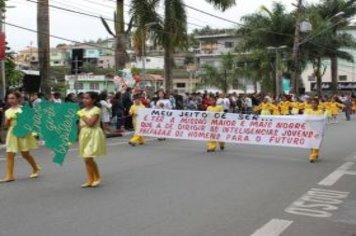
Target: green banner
(55, 123)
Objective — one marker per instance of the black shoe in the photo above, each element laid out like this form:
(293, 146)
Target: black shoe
(132, 144)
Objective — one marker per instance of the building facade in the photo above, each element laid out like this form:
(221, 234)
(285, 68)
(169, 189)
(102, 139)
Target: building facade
(87, 82)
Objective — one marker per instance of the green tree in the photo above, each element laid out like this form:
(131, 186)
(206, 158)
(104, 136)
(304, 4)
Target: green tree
(339, 13)
(267, 28)
(13, 76)
(173, 32)
(325, 44)
(223, 77)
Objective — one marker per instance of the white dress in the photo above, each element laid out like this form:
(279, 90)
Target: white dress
(105, 111)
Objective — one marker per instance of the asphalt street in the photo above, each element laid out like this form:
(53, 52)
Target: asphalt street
(176, 188)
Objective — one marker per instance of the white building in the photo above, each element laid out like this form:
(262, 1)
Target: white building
(346, 71)
(211, 47)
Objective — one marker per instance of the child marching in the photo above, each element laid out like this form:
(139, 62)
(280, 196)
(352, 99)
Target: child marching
(15, 144)
(314, 111)
(92, 143)
(136, 139)
(212, 145)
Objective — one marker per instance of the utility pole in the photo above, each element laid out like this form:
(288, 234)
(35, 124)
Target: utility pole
(296, 49)
(278, 82)
(2, 63)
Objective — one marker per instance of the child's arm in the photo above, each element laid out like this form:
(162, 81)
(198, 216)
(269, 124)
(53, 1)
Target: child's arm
(90, 121)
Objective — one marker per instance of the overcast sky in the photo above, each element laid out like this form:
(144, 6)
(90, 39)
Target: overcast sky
(78, 27)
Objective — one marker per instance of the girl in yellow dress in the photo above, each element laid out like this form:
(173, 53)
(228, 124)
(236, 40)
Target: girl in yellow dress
(284, 106)
(333, 108)
(264, 109)
(314, 110)
(275, 109)
(92, 142)
(136, 139)
(212, 145)
(15, 144)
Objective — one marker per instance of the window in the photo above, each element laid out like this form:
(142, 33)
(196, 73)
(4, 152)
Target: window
(148, 60)
(343, 78)
(94, 86)
(79, 86)
(229, 44)
(180, 85)
(55, 62)
(311, 78)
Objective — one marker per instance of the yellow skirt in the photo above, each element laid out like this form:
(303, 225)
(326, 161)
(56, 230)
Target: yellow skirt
(15, 144)
(92, 142)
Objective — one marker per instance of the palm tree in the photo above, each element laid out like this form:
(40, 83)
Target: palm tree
(224, 77)
(174, 32)
(118, 34)
(340, 13)
(43, 44)
(267, 28)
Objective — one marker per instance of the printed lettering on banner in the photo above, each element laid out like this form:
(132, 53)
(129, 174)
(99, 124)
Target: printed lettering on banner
(288, 131)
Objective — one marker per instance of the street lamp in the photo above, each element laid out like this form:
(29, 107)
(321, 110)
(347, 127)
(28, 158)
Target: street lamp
(277, 81)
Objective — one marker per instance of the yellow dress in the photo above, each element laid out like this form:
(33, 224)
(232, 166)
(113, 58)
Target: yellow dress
(296, 107)
(92, 142)
(13, 143)
(284, 107)
(136, 139)
(314, 153)
(265, 109)
(212, 145)
(275, 110)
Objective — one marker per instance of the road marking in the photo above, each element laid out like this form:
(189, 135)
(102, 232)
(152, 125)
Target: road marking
(317, 203)
(337, 174)
(273, 228)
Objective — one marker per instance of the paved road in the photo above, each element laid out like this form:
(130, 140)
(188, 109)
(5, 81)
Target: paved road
(175, 188)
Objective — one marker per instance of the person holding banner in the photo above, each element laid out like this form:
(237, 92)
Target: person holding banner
(314, 111)
(264, 109)
(15, 144)
(136, 139)
(92, 142)
(212, 145)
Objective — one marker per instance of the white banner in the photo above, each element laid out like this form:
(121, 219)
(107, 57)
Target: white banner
(288, 131)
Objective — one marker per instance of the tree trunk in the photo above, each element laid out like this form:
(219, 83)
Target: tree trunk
(43, 45)
(334, 75)
(120, 49)
(318, 75)
(168, 68)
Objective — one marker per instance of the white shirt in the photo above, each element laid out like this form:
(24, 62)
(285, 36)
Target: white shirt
(164, 104)
(225, 102)
(105, 111)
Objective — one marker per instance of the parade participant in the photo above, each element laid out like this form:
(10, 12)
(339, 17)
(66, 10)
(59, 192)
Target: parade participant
(264, 109)
(92, 142)
(296, 106)
(314, 110)
(353, 106)
(15, 144)
(212, 145)
(284, 106)
(333, 108)
(136, 139)
(275, 108)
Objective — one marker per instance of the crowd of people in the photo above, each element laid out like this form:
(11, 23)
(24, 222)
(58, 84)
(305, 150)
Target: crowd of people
(99, 112)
